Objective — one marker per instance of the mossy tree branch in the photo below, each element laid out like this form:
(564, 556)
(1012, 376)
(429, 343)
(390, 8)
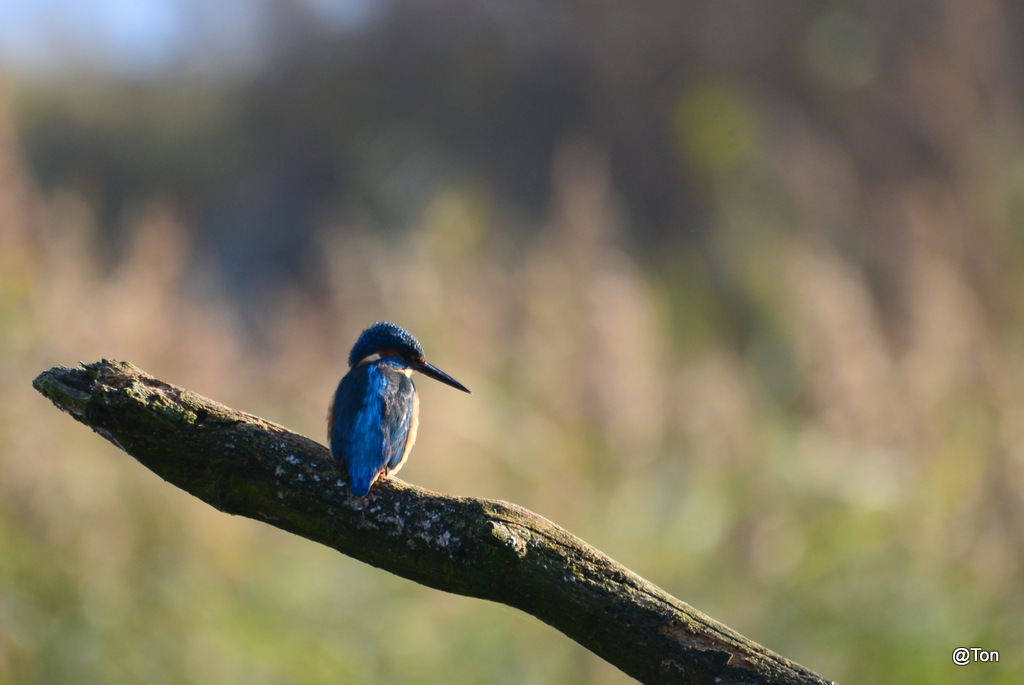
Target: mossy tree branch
(494, 550)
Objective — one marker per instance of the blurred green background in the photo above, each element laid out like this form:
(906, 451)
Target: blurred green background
(737, 287)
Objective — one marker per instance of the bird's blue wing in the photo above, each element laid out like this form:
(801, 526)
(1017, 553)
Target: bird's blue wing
(370, 420)
(345, 406)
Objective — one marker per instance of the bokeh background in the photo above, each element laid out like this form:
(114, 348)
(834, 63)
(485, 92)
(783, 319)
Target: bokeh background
(737, 286)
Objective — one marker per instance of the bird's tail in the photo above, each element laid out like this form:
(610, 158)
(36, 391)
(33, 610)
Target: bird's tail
(360, 483)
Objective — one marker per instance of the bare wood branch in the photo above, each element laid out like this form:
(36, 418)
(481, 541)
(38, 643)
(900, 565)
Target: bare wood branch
(493, 550)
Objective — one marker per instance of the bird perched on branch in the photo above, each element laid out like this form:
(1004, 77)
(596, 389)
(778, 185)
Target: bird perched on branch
(372, 420)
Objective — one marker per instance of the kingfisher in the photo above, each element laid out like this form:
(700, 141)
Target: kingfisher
(372, 419)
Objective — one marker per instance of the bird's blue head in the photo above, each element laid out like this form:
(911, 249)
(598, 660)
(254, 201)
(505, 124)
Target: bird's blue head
(385, 340)
(384, 337)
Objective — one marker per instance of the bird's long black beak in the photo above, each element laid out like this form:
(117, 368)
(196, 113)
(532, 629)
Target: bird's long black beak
(428, 369)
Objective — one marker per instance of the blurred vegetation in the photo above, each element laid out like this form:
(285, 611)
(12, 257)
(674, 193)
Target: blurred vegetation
(737, 287)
